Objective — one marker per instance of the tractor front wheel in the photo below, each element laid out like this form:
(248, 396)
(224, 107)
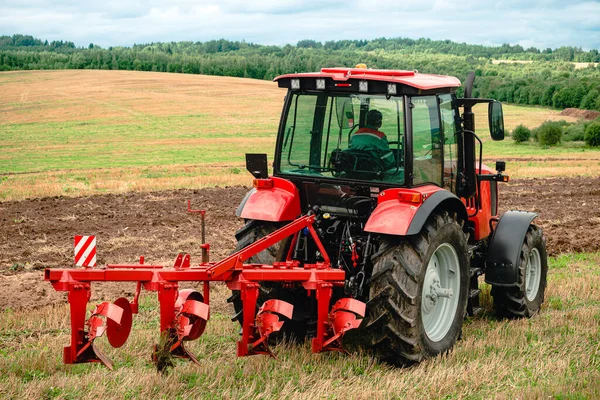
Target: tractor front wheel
(418, 292)
(525, 300)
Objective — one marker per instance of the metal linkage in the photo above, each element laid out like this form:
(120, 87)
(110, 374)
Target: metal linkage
(204, 246)
(184, 313)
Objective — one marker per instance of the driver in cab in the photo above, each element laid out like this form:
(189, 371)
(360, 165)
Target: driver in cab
(371, 140)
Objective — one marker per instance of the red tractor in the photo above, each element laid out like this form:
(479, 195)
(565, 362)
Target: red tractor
(386, 161)
(377, 206)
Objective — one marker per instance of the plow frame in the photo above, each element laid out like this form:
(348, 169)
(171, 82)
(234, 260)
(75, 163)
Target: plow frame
(175, 320)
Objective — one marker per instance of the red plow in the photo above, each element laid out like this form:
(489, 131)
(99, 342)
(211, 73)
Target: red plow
(184, 313)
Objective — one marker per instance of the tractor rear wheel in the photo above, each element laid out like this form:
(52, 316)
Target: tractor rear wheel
(250, 233)
(526, 300)
(418, 292)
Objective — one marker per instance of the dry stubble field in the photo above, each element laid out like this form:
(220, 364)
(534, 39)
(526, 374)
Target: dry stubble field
(47, 115)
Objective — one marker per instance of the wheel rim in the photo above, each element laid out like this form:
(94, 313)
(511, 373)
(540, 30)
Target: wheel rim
(441, 292)
(533, 273)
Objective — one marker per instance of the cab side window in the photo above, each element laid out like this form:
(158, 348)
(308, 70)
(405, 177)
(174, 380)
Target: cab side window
(427, 141)
(449, 123)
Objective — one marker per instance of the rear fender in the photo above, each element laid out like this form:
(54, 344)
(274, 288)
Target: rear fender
(504, 255)
(393, 216)
(278, 203)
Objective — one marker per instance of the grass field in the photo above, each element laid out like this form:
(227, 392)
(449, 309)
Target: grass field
(80, 132)
(556, 354)
(86, 132)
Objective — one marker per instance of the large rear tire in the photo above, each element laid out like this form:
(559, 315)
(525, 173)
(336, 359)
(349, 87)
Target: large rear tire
(418, 292)
(527, 299)
(254, 230)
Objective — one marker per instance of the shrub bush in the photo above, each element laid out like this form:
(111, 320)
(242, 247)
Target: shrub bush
(521, 134)
(574, 132)
(549, 133)
(592, 134)
(590, 101)
(535, 132)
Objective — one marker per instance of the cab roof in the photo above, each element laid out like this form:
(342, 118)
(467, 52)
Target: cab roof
(409, 78)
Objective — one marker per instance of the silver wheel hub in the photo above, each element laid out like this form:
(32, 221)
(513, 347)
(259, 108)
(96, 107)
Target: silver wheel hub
(433, 291)
(439, 298)
(533, 274)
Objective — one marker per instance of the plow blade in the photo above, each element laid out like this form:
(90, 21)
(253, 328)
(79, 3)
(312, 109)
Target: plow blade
(118, 332)
(343, 317)
(277, 307)
(191, 320)
(344, 313)
(89, 352)
(191, 315)
(267, 322)
(92, 353)
(267, 319)
(111, 311)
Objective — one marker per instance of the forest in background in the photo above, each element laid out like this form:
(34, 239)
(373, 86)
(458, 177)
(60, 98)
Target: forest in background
(550, 79)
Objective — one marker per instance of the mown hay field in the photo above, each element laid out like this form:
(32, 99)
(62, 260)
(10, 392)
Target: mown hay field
(87, 132)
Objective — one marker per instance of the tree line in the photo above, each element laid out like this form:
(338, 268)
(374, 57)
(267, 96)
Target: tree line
(422, 45)
(549, 80)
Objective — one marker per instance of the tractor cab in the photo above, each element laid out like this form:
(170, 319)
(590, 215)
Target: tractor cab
(383, 128)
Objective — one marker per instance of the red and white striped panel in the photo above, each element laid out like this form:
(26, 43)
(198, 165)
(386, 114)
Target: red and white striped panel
(85, 251)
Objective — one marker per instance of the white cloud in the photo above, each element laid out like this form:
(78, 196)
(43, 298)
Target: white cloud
(540, 23)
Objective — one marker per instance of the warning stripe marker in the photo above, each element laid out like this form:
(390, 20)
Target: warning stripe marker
(85, 251)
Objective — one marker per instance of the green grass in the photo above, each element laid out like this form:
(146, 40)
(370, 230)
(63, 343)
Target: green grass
(173, 140)
(554, 354)
(148, 141)
(508, 148)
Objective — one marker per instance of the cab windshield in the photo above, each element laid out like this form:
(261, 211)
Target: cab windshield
(349, 136)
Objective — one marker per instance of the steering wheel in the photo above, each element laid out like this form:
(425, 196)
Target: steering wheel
(337, 161)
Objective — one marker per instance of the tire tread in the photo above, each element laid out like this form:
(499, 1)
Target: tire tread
(393, 308)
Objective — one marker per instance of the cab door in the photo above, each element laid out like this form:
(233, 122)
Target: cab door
(449, 117)
(426, 141)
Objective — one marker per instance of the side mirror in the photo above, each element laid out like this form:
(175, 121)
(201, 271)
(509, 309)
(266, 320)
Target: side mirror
(496, 120)
(345, 112)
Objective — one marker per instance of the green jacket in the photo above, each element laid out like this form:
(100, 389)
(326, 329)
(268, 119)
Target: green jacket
(374, 142)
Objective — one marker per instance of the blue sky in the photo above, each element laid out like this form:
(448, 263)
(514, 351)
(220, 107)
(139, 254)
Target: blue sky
(538, 23)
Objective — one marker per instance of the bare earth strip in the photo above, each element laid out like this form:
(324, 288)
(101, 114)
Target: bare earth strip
(39, 233)
(577, 65)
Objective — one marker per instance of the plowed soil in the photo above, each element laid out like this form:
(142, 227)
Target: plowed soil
(36, 234)
(578, 113)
